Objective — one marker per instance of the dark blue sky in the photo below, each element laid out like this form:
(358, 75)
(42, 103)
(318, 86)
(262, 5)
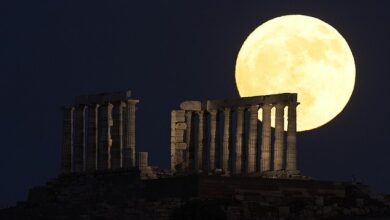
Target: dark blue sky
(166, 52)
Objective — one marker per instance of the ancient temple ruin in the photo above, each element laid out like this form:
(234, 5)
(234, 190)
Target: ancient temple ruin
(210, 137)
(202, 136)
(220, 154)
(99, 133)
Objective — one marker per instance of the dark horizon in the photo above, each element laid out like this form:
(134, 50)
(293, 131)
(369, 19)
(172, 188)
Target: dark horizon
(166, 53)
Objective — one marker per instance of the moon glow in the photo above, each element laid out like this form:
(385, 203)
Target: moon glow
(298, 54)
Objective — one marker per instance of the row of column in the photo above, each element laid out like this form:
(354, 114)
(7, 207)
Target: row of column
(251, 151)
(98, 136)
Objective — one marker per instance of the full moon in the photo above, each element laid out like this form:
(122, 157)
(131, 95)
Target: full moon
(298, 54)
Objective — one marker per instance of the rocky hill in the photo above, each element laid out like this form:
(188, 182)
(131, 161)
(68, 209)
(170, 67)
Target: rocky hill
(123, 194)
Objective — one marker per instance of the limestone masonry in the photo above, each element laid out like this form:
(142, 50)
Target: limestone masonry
(197, 127)
(99, 133)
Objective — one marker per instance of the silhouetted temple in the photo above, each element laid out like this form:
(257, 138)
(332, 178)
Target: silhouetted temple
(196, 130)
(225, 164)
(99, 133)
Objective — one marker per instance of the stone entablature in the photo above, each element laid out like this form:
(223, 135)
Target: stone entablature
(99, 133)
(196, 129)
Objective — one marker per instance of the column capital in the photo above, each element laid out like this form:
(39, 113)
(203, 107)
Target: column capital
(227, 109)
(254, 108)
(213, 112)
(132, 101)
(188, 113)
(280, 105)
(267, 106)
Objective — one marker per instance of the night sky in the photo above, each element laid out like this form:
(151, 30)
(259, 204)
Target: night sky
(167, 52)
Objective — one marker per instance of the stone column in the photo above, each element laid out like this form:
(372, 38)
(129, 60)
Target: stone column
(92, 138)
(110, 123)
(79, 139)
(178, 146)
(67, 142)
(226, 140)
(252, 139)
(279, 134)
(117, 135)
(142, 160)
(105, 123)
(128, 150)
(213, 134)
(173, 141)
(190, 146)
(292, 138)
(266, 139)
(201, 141)
(239, 140)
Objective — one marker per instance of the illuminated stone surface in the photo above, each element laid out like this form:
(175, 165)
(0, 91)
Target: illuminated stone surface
(99, 133)
(247, 155)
